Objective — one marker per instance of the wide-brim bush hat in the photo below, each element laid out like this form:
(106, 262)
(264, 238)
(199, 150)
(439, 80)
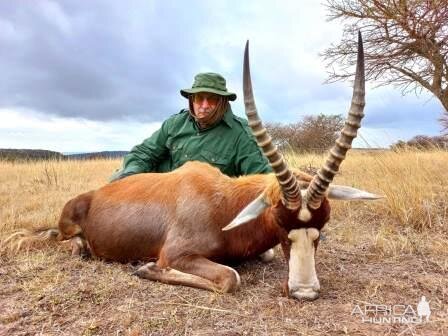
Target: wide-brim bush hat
(209, 82)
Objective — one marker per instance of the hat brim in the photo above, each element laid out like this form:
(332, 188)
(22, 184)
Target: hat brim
(187, 92)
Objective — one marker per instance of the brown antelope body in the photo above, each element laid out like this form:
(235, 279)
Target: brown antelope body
(188, 223)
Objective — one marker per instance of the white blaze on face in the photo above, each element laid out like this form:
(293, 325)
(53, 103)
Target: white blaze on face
(302, 280)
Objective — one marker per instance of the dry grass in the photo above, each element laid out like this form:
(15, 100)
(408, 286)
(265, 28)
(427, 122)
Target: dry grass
(385, 252)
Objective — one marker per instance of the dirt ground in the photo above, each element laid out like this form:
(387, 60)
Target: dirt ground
(50, 293)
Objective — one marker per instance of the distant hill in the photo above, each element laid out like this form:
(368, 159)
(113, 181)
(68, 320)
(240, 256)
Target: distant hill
(40, 154)
(97, 155)
(29, 154)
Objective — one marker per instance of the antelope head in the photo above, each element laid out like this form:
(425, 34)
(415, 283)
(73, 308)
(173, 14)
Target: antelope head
(301, 206)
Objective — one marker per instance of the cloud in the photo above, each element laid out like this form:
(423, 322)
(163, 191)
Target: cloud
(110, 60)
(95, 60)
(387, 108)
(26, 129)
(117, 62)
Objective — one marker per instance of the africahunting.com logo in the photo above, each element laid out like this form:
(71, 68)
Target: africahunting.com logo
(389, 314)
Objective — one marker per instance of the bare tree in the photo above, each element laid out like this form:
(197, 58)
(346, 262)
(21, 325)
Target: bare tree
(405, 44)
(313, 133)
(320, 132)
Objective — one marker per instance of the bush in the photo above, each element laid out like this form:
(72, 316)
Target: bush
(312, 134)
(423, 142)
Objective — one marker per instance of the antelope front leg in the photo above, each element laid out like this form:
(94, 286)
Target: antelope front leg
(193, 271)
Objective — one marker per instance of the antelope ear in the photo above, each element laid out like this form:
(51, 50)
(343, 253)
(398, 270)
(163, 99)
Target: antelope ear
(251, 211)
(339, 192)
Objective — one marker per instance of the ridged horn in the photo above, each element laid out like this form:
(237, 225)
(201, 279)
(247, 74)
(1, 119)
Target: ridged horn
(320, 183)
(290, 188)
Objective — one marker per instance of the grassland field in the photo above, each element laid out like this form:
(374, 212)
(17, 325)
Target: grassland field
(383, 253)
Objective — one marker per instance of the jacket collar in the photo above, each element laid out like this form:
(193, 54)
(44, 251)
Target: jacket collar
(227, 119)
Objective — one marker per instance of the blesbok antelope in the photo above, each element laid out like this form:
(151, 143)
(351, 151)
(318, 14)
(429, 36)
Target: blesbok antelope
(188, 223)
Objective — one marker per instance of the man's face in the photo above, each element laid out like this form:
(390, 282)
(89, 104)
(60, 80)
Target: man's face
(204, 103)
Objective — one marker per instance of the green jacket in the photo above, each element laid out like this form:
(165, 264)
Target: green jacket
(229, 146)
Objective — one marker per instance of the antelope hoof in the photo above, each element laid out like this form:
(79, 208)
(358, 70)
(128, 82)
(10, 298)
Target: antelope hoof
(305, 294)
(143, 271)
(267, 256)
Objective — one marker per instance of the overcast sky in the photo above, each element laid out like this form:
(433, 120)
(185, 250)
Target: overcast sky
(103, 75)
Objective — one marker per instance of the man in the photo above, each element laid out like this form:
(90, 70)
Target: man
(208, 131)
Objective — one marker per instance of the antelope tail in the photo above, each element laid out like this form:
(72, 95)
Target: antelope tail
(26, 239)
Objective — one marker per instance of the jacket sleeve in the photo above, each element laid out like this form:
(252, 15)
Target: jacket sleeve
(249, 157)
(145, 158)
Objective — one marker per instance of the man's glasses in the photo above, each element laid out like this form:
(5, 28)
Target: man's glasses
(211, 98)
